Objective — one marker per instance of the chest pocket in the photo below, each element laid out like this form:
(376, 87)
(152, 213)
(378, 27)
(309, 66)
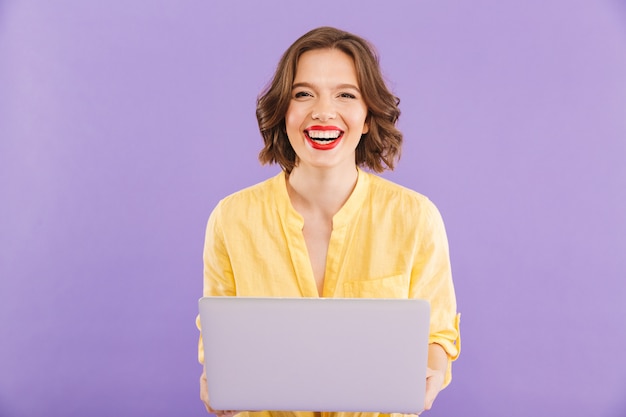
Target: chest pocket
(396, 286)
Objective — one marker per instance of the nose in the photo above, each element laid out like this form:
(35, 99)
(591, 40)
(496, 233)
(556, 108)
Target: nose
(323, 111)
(323, 115)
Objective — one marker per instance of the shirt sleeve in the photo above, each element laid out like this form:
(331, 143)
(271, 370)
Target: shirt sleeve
(431, 279)
(218, 273)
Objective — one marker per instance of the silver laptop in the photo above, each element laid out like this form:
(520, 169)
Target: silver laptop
(315, 354)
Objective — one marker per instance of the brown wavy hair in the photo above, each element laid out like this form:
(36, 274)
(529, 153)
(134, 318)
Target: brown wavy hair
(378, 149)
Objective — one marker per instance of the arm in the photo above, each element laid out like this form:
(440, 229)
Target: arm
(435, 375)
(218, 274)
(218, 280)
(431, 279)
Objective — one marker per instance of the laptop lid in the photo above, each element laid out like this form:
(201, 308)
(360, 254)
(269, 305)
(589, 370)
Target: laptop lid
(315, 354)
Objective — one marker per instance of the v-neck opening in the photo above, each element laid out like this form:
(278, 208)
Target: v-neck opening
(293, 224)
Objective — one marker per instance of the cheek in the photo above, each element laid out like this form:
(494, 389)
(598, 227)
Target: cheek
(289, 119)
(292, 126)
(358, 120)
(292, 119)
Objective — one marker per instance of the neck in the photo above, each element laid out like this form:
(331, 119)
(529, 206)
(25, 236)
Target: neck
(325, 190)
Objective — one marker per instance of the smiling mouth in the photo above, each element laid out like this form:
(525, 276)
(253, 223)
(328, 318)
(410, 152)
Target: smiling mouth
(323, 139)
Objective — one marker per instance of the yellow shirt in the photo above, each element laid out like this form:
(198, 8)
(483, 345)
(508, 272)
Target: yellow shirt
(387, 242)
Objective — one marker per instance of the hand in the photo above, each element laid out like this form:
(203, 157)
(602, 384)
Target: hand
(434, 383)
(204, 396)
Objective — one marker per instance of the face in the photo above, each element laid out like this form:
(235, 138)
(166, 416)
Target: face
(326, 115)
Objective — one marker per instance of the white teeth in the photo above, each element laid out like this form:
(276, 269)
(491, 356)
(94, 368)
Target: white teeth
(324, 134)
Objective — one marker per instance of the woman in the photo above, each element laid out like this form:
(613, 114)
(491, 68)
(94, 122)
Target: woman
(323, 226)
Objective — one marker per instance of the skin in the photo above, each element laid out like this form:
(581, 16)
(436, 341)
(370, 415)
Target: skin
(204, 396)
(435, 373)
(326, 93)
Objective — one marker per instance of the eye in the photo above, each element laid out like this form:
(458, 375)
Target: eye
(347, 95)
(301, 94)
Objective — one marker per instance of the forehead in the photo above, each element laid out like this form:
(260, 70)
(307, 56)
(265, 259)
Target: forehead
(325, 65)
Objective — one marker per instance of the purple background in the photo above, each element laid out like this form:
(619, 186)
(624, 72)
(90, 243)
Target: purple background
(122, 123)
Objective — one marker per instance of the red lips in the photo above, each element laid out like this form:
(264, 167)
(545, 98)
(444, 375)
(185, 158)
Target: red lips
(323, 144)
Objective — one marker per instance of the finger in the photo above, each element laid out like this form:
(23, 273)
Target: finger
(226, 413)
(204, 394)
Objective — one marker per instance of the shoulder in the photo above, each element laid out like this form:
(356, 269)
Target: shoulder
(386, 191)
(395, 203)
(255, 193)
(249, 200)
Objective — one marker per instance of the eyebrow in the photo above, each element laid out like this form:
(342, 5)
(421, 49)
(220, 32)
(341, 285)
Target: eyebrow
(337, 87)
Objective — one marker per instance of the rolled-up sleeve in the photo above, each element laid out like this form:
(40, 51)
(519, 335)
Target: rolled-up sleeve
(431, 279)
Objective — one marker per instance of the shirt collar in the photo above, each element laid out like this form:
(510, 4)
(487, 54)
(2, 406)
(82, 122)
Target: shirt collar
(341, 219)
